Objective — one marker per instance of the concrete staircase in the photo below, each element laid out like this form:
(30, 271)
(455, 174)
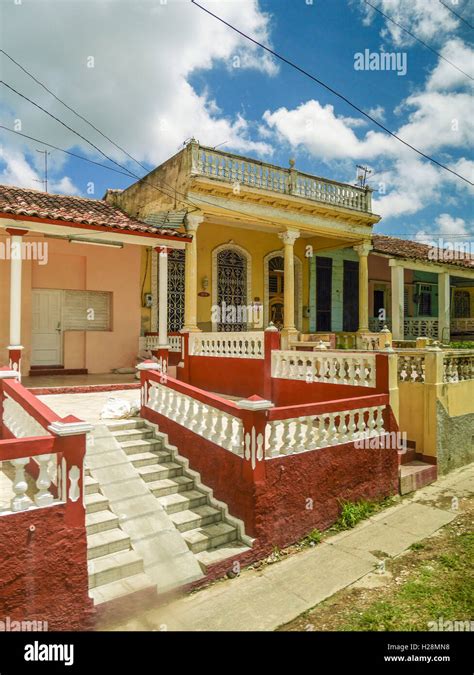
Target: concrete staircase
(115, 569)
(151, 524)
(205, 524)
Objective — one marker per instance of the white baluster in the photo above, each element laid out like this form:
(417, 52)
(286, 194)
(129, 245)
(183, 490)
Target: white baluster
(287, 438)
(43, 497)
(21, 501)
(300, 434)
(273, 439)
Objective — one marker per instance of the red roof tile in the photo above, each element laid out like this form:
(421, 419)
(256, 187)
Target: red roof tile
(414, 250)
(37, 204)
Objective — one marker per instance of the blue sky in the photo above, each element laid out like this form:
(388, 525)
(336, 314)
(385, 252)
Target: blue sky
(163, 73)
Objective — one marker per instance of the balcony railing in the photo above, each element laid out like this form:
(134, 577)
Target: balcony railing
(234, 169)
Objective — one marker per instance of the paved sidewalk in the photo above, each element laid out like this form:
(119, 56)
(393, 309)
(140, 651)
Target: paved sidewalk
(267, 598)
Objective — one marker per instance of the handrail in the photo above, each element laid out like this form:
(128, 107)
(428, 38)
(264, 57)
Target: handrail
(322, 407)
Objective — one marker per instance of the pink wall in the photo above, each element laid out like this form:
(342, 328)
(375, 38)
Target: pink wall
(80, 267)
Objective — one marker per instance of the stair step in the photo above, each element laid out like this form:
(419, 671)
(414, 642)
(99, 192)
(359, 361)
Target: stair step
(198, 517)
(104, 543)
(95, 502)
(113, 567)
(132, 434)
(118, 589)
(91, 486)
(160, 471)
(228, 551)
(180, 501)
(144, 445)
(147, 459)
(169, 486)
(415, 475)
(100, 521)
(126, 425)
(210, 536)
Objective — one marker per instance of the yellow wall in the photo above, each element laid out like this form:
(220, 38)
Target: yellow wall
(257, 244)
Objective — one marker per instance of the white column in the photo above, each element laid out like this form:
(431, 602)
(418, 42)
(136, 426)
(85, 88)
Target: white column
(363, 251)
(444, 310)
(15, 291)
(398, 299)
(288, 238)
(163, 296)
(193, 220)
(15, 347)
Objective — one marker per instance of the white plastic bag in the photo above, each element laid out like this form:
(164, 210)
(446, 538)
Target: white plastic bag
(118, 408)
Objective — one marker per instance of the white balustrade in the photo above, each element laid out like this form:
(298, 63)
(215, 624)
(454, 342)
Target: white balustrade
(354, 368)
(19, 421)
(234, 169)
(420, 327)
(411, 367)
(151, 342)
(215, 425)
(312, 432)
(458, 367)
(239, 345)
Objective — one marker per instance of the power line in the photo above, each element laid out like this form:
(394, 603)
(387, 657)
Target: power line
(110, 168)
(129, 173)
(41, 84)
(333, 91)
(389, 18)
(456, 14)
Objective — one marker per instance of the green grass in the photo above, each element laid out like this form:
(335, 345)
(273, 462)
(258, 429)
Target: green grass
(313, 538)
(441, 585)
(353, 512)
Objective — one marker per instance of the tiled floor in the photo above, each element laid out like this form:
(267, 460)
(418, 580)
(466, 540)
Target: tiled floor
(87, 406)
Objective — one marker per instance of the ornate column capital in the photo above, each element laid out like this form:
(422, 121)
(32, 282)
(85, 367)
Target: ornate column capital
(289, 237)
(193, 220)
(363, 249)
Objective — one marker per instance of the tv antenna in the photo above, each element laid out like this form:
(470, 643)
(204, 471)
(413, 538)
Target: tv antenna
(45, 179)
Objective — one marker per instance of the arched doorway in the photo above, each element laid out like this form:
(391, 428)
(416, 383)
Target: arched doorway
(231, 288)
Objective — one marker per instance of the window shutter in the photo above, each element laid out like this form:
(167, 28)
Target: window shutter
(87, 310)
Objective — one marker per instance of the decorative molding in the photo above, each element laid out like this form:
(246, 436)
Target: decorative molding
(289, 236)
(256, 404)
(363, 249)
(70, 428)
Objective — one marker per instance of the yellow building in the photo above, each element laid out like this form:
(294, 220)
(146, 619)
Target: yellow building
(256, 228)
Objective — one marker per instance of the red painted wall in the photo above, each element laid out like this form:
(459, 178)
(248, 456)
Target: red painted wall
(236, 377)
(304, 491)
(43, 574)
(275, 510)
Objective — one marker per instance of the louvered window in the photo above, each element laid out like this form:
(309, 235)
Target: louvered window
(87, 310)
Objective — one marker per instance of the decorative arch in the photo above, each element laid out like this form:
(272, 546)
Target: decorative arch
(242, 252)
(298, 287)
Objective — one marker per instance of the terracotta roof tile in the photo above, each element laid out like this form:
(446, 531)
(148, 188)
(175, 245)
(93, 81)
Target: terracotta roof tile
(414, 250)
(34, 203)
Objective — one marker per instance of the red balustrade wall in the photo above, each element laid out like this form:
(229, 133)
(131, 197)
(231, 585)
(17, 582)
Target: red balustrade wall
(222, 375)
(43, 573)
(295, 392)
(300, 492)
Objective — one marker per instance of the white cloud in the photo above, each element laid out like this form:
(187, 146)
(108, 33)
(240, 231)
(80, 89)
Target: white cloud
(427, 20)
(445, 75)
(138, 91)
(378, 113)
(18, 171)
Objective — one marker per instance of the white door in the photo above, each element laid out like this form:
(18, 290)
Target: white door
(46, 343)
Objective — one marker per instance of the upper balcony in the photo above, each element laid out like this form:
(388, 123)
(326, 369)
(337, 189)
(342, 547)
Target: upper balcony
(230, 168)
